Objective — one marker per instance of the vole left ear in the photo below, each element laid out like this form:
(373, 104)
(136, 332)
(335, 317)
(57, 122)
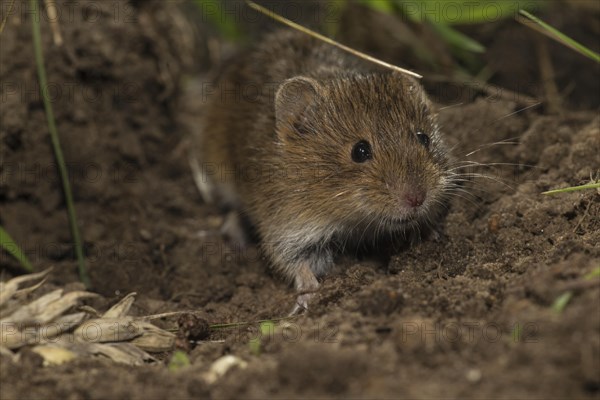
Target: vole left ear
(291, 101)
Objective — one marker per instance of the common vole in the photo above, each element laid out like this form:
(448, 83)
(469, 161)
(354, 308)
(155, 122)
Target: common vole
(321, 151)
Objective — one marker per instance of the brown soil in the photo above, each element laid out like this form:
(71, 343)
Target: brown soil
(468, 316)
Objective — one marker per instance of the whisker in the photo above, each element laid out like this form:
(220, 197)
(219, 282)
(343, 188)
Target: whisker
(506, 116)
(488, 145)
(450, 106)
(518, 111)
(469, 163)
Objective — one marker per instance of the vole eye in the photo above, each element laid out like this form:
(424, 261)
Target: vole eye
(362, 152)
(423, 139)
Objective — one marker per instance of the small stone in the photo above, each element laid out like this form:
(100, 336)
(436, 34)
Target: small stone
(494, 223)
(145, 235)
(473, 375)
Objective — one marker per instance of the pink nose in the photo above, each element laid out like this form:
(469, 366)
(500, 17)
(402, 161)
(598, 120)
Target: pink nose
(414, 199)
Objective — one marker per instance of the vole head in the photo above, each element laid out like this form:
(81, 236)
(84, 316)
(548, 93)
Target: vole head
(368, 147)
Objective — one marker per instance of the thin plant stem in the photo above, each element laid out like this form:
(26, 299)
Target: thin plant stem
(8, 244)
(64, 175)
(327, 40)
(594, 185)
(3, 23)
(531, 20)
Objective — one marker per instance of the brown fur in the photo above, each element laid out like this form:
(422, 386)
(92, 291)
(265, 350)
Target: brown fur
(276, 145)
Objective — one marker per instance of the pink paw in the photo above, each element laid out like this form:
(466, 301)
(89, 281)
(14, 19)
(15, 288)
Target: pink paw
(301, 303)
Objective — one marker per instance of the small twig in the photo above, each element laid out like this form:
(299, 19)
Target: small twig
(240, 324)
(10, 7)
(585, 213)
(53, 18)
(166, 315)
(8, 12)
(327, 40)
(547, 74)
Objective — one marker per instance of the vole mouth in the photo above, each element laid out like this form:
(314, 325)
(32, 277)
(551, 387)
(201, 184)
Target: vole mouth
(410, 216)
(411, 209)
(410, 203)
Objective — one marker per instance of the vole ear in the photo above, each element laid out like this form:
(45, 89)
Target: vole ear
(291, 101)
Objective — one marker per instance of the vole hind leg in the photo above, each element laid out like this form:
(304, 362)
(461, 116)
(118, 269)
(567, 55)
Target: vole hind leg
(204, 186)
(233, 229)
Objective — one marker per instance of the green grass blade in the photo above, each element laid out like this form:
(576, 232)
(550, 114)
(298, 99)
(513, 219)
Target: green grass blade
(560, 37)
(8, 244)
(3, 23)
(594, 274)
(335, 10)
(561, 302)
(384, 6)
(574, 188)
(464, 12)
(516, 333)
(64, 176)
(455, 38)
(224, 21)
(179, 360)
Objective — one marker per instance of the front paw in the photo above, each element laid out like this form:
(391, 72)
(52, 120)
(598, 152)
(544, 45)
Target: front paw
(437, 234)
(306, 284)
(301, 303)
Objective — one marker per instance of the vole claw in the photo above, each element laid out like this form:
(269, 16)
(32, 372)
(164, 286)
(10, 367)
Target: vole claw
(301, 304)
(306, 284)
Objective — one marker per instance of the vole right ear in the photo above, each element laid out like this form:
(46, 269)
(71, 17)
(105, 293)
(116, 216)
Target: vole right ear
(291, 101)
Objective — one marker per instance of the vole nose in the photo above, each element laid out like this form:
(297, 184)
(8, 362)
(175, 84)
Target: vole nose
(415, 198)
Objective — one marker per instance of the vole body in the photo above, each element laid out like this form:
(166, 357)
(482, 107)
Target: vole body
(321, 151)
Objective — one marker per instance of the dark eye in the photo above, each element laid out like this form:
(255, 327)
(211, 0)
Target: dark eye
(423, 139)
(362, 152)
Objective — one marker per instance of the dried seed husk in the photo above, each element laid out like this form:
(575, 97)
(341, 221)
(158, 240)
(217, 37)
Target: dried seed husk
(47, 307)
(102, 330)
(123, 353)
(10, 288)
(121, 308)
(5, 352)
(15, 336)
(154, 339)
